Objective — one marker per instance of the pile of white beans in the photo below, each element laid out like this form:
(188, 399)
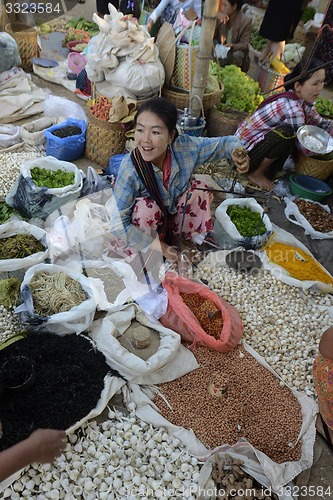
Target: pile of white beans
(9, 324)
(282, 323)
(122, 458)
(10, 164)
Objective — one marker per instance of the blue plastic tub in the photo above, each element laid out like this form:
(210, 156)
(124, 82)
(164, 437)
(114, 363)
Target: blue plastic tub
(66, 148)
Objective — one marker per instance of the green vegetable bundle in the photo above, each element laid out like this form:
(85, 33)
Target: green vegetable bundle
(51, 178)
(19, 246)
(9, 292)
(241, 92)
(248, 223)
(6, 212)
(324, 106)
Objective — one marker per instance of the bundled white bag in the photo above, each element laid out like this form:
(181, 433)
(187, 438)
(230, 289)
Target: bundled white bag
(34, 201)
(293, 214)
(21, 227)
(226, 232)
(76, 320)
(169, 362)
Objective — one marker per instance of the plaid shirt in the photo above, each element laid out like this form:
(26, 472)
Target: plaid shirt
(187, 153)
(280, 112)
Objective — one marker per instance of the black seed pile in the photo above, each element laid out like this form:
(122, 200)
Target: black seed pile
(67, 131)
(69, 380)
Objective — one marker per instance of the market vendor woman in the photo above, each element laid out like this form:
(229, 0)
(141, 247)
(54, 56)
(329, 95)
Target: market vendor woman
(269, 133)
(154, 186)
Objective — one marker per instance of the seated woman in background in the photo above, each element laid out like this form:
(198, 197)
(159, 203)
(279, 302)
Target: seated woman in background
(269, 133)
(323, 382)
(167, 11)
(154, 192)
(233, 30)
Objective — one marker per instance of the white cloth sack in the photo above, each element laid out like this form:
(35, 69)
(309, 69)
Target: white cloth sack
(169, 362)
(9, 135)
(276, 474)
(34, 201)
(293, 214)
(76, 320)
(282, 236)
(226, 232)
(21, 227)
(33, 133)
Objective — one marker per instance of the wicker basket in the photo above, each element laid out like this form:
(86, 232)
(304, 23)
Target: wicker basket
(308, 165)
(269, 79)
(181, 99)
(104, 139)
(26, 39)
(221, 123)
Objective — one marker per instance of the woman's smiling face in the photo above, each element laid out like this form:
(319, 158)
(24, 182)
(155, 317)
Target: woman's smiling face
(152, 137)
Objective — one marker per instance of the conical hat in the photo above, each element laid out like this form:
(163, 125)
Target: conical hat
(165, 42)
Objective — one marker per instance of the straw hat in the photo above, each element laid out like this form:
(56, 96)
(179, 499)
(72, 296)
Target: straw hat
(166, 44)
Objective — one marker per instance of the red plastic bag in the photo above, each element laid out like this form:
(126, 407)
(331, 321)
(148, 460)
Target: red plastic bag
(181, 319)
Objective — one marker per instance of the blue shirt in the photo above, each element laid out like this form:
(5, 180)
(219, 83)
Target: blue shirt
(187, 153)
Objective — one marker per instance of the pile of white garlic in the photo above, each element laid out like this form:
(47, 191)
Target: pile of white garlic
(10, 164)
(9, 324)
(283, 324)
(122, 458)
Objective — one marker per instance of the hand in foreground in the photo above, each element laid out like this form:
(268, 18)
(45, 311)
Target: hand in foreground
(46, 444)
(241, 160)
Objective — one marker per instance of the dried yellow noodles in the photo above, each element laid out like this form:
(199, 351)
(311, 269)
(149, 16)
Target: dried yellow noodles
(53, 293)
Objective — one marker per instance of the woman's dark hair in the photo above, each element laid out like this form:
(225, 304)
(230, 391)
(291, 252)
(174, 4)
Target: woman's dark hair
(296, 74)
(163, 108)
(130, 7)
(239, 3)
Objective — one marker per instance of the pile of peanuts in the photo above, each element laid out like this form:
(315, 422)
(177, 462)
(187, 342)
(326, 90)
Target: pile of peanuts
(206, 313)
(232, 396)
(317, 216)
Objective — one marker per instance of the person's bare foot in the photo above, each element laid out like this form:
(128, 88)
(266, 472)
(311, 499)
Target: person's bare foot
(261, 181)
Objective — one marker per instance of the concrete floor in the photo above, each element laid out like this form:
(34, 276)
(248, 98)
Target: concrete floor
(319, 477)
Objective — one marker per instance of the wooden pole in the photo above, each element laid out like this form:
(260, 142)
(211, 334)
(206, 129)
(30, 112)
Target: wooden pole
(203, 56)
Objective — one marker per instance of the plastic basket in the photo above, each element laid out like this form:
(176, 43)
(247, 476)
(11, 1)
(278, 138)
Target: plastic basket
(67, 148)
(76, 62)
(269, 79)
(26, 39)
(104, 139)
(308, 165)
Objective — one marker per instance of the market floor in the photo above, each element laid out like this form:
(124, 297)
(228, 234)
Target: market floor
(317, 482)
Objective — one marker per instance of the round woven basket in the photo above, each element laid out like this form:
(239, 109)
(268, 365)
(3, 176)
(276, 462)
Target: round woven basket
(27, 44)
(104, 139)
(181, 99)
(308, 165)
(221, 123)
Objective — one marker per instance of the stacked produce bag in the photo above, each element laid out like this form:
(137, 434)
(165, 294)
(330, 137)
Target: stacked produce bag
(123, 58)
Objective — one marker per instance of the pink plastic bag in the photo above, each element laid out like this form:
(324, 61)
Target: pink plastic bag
(182, 320)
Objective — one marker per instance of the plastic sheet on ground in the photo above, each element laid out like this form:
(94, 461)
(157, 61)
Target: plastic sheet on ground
(276, 475)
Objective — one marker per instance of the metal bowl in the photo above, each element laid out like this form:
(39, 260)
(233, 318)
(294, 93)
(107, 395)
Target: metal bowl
(315, 139)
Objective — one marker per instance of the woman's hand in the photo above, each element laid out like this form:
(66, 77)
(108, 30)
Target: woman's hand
(149, 25)
(241, 160)
(222, 18)
(46, 444)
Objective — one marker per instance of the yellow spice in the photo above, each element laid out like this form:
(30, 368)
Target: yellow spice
(298, 263)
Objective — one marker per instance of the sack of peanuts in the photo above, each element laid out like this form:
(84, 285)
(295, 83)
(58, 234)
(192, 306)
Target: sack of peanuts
(199, 315)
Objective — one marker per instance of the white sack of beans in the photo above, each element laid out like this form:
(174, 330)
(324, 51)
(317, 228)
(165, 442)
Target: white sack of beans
(170, 361)
(281, 322)
(282, 236)
(294, 215)
(277, 474)
(122, 458)
(21, 227)
(10, 164)
(75, 320)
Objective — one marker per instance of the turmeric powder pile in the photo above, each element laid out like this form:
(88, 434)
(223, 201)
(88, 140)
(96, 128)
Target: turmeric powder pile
(298, 263)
